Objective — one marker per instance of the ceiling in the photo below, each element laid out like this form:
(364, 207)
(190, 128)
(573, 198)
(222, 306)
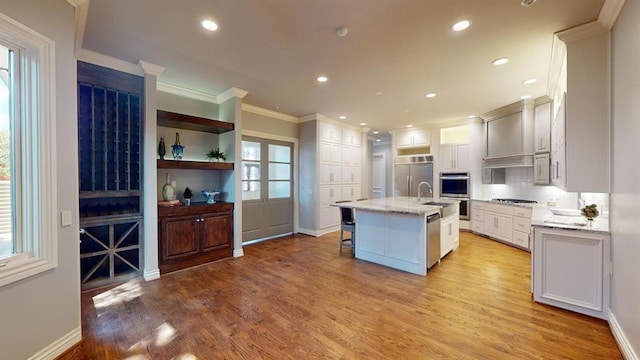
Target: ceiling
(395, 52)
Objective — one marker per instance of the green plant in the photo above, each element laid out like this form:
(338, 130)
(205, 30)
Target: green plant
(216, 154)
(590, 211)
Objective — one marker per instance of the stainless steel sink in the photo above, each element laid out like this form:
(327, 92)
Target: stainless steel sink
(446, 209)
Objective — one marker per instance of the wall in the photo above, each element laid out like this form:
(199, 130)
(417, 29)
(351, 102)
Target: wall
(625, 197)
(388, 159)
(39, 311)
(265, 124)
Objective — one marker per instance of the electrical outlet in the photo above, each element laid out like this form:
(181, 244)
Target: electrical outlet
(65, 218)
(173, 183)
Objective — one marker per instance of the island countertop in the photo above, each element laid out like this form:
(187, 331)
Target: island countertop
(398, 204)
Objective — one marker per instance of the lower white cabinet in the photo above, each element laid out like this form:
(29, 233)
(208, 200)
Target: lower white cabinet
(507, 223)
(571, 270)
(449, 234)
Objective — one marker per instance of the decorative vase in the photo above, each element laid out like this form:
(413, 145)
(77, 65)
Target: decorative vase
(162, 150)
(177, 149)
(168, 191)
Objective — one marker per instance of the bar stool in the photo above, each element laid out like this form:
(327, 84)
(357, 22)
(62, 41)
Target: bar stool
(347, 223)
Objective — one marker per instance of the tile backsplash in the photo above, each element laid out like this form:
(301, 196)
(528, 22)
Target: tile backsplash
(519, 185)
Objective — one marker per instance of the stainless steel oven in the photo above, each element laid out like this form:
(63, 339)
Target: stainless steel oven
(455, 185)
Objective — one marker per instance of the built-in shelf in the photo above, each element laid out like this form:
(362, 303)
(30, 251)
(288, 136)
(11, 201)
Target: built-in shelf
(198, 165)
(195, 123)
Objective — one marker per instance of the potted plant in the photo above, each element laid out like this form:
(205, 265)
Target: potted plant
(216, 155)
(187, 196)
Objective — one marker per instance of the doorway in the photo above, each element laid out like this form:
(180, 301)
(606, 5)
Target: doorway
(379, 175)
(267, 188)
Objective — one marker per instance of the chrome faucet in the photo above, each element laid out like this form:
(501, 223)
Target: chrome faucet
(428, 189)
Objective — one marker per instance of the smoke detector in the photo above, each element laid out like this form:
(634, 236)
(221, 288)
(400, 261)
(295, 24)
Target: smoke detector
(526, 2)
(342, 31)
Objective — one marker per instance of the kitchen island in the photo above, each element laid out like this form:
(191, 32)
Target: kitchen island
(393, 231)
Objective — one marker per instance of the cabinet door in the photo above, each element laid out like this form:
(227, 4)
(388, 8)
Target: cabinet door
(541, 169)
(180, 237)
(404, 140)
(505, 227)
(461, 158)
(421, 138)
(217, 231)
(447, 157)
(542, 130)
(491, 224)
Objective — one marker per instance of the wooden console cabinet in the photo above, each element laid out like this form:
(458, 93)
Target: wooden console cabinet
(194, 235)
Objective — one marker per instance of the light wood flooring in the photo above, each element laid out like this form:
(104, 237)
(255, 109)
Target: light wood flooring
(298, 298)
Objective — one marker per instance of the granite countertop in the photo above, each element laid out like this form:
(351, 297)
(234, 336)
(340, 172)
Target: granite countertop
(542, 216)
(399, 204)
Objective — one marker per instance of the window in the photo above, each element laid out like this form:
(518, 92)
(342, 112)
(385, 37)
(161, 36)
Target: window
(28, 228)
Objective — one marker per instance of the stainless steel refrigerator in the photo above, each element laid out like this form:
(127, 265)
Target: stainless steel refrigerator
(409, 171)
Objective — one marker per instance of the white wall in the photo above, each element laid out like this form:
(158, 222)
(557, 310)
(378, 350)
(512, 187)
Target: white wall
(39, 311)
(625, 197)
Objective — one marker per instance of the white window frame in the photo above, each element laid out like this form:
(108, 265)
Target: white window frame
(34, 109)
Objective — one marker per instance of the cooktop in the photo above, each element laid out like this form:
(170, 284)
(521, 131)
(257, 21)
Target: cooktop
(514, 201)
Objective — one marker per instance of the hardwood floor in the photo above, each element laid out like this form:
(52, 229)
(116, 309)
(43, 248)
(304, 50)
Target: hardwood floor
(298, 298)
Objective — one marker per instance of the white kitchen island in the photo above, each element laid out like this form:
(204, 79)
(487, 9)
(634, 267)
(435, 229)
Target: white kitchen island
(393, 232)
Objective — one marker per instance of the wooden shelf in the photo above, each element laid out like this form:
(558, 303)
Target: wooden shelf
(195, 123)
(197, 165)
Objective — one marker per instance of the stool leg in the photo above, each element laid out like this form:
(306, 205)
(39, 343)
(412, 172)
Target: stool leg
(341, 238)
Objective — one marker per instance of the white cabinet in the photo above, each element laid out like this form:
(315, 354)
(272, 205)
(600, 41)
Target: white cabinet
(571, 270)
(541, 168)
(330, 166)
(542, 127)
(454, 157)
(508, 223)
(413, 138)
(558, 148)
(449, 234)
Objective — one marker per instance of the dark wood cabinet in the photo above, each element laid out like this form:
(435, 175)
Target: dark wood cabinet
(194, 235)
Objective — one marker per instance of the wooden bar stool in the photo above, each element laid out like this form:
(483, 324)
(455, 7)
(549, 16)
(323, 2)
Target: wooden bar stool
(347, 223)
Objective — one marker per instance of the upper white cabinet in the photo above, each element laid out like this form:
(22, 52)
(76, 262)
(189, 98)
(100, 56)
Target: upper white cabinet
(508, 135)
(330, 132)
(454, 157)
(413, 138)
(542, 129)
(580, 161)
(541, 169)
(350, 137)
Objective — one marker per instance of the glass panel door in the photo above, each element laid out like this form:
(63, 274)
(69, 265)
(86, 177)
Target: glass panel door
(251, 173)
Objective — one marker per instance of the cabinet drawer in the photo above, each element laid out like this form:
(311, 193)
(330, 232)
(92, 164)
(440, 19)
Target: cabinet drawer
(524, 212)
(520, 239)
(477, 227)
(477, 205)
(477, 215)
(521, 224)
(498, 208)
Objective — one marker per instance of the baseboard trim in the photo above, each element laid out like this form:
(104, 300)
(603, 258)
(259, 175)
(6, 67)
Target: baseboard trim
(238, 253)
(308, 232)
(59, 346)
(623, 343)
(151, 275)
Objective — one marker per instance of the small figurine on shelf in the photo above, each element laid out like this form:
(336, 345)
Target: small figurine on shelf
(162, 150)
(187, 196)
(177, 148)
(216, 155)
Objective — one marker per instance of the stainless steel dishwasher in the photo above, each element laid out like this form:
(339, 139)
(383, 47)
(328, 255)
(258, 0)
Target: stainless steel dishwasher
(433, 239)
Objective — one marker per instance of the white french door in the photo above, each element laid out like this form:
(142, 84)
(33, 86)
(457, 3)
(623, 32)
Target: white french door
(267, 188)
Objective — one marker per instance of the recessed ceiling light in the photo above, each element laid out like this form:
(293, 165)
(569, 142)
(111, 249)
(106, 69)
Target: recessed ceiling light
(525, 97)
(527, 2)
(363, 124)
(342, 117)
(409, 126)
(209, 25)
(407, 110)
(379, 93)
(378, 140)
(500, 61)
(471, 116)
(376, 132)
(322, 79)
(430, 95)
(461, 25)
(529, 81)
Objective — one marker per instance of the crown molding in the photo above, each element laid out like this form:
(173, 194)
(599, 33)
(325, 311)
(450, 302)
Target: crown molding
(558, 55)
(609, 12)
(76, 3)
(150, 68)
(508, 109)
(230, 94)
(269, 113)
(581, 32)
(184, 92)
(81, 13)
(109, 62)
